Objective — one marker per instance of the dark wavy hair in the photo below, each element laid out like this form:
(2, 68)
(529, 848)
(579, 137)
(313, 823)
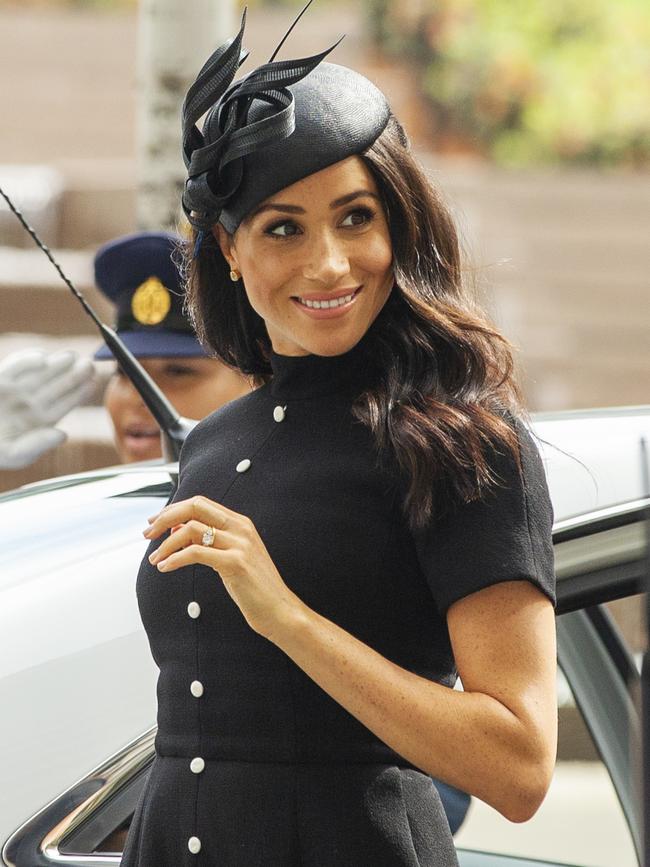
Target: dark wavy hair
(446, 382)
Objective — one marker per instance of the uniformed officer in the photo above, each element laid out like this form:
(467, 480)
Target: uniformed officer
(138, 274)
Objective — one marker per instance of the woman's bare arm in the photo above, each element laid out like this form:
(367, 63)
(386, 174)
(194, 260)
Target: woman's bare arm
(497, 739)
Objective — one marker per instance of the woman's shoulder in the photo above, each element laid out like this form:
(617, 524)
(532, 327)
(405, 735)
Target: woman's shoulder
(531, 458)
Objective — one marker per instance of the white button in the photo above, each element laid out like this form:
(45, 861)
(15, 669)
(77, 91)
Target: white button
(278, 413)
(196, 688)
(197, 765)
(194, 609)
(242, 466)
(194, 845)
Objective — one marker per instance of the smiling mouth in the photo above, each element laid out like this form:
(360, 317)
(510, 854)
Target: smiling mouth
(326, 304)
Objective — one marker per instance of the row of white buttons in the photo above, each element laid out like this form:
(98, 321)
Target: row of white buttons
(278, 415)
(197, 765)
(196, 687)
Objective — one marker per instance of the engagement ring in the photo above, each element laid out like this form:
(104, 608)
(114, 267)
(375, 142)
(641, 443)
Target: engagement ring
(208, 537)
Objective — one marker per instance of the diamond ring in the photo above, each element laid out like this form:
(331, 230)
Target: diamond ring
(208, 537)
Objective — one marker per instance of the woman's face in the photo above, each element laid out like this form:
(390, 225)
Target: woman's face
(195, 387)
(321, 239)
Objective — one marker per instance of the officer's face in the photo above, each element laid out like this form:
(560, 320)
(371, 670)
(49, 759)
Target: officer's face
(322, 239)
(195, 387)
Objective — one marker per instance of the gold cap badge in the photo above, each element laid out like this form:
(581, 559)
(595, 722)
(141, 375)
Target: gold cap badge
(151, 302)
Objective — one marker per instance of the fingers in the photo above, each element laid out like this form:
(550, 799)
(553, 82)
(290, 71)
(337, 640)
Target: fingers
(187, 535)
(19, 364)
(65, 384)
(31, 368)
(214, 558)
(25, 449)
(196, 508)
(46, 385)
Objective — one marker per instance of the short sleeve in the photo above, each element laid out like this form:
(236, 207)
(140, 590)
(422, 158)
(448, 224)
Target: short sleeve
(504, 537)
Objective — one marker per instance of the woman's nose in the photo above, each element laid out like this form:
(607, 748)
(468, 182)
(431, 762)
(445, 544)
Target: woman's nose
(326, 259)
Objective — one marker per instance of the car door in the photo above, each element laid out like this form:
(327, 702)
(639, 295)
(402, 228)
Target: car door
(599, 564)
(591, 815)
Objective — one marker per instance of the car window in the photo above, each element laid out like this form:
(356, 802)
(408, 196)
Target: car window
(629, 616)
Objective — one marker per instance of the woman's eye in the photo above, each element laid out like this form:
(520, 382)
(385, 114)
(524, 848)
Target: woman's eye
(359, 217)
(288, 229)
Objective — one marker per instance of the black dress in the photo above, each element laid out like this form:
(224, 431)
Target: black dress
(255, 764)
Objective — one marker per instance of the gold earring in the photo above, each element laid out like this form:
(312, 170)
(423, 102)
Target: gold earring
(234, 275)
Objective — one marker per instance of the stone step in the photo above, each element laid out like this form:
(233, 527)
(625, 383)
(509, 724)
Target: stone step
(626, 257)
(560, 197)
(571, 383)
(547, 309)
(34, 298)
(37, 192)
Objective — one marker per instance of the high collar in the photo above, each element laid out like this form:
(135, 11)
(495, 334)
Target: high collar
(304, 376)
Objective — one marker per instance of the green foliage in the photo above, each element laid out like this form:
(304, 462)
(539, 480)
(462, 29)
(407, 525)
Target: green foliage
(533, 82)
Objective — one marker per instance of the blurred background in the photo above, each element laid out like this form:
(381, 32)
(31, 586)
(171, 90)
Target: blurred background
(533, 120)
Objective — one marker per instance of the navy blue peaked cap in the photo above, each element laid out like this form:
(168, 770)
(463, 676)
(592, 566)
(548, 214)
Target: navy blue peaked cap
(137, 273)
(281, 122)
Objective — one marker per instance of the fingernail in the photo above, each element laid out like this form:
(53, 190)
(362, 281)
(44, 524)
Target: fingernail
(146, 532)
(162, 565)
(153, 517)
(153, 557)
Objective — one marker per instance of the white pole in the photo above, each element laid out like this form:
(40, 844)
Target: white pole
(175, 37)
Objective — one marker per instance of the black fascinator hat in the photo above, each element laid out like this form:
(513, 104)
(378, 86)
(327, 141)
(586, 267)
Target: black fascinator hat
(276, 125)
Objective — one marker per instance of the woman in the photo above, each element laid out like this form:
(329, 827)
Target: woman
(369, 523)
(137, 273)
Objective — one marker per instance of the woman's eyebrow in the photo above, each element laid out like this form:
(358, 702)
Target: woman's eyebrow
(296, 209)
(343, 200)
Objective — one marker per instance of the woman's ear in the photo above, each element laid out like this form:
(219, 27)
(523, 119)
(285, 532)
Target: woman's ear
(226, 244)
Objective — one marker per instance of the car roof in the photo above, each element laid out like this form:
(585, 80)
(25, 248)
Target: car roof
(593, 458)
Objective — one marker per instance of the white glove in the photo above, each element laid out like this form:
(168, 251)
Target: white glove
(36, 390)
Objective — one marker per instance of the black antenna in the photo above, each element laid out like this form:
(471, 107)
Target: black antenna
(174, 428)
(295, 21)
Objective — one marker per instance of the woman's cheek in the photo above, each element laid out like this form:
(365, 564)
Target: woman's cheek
(372, 253)
(259, 295)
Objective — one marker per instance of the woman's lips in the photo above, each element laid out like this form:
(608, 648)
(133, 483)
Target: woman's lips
(345, 299)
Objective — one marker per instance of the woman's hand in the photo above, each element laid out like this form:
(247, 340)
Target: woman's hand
(237, 554)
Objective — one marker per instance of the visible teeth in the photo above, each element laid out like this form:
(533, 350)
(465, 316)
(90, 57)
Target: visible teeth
(335, 302)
